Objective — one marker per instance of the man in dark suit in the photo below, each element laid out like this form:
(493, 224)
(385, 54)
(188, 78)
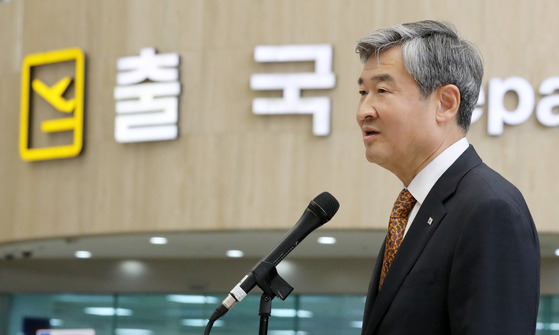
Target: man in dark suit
(464, 256)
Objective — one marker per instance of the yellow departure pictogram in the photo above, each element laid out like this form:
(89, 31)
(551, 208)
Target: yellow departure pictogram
(54, 95)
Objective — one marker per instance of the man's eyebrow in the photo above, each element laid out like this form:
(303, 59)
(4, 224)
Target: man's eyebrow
(383, 77)
(377, 78)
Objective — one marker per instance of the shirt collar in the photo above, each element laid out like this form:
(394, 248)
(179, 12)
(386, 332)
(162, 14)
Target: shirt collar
(426, 178)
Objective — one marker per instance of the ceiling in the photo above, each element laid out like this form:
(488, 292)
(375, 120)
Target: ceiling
(254, 244)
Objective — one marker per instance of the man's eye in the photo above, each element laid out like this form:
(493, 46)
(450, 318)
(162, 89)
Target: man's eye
(381, 90)
(362, 93)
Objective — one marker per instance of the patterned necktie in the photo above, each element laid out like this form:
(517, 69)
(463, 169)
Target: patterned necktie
(396, 228)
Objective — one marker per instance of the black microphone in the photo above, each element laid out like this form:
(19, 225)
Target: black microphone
(319, 211)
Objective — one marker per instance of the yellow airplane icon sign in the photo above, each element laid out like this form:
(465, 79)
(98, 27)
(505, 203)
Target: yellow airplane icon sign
(72, 109)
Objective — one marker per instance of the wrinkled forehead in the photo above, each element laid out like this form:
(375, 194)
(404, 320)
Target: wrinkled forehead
(383, 67)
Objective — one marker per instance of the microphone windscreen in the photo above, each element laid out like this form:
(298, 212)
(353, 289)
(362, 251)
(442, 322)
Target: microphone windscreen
(327, 203)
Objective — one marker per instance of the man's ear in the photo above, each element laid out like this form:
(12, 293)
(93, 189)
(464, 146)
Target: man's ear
(449, 99)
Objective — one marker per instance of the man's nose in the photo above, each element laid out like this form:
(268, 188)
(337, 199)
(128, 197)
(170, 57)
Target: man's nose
(366, 110)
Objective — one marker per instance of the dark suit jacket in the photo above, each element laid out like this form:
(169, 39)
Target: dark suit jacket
(473, 270)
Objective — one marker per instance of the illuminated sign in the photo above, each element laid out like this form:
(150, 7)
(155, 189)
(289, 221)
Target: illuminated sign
(46, 108)
(148, 89)
(293, 83)
(147, 97)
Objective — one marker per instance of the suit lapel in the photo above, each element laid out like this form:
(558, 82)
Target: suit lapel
(373, 286)
(417, 237)
(430, 215)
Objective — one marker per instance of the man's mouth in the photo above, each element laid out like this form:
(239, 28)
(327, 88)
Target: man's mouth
(369, 133)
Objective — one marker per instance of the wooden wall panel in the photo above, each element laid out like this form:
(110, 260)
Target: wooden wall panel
(231, 169)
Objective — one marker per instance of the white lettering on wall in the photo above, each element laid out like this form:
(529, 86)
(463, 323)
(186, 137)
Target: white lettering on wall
(147, 94)
(544, 111)
(498, 115)
(293, 83)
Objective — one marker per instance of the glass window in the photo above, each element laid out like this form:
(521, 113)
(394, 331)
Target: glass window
(332, 315)
(174, 314)
(548, 316)
(31, 312)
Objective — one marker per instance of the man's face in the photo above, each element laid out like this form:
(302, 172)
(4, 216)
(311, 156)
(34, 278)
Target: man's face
(397, 123)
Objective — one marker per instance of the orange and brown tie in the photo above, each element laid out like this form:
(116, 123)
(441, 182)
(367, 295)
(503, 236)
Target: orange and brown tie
(396, 228)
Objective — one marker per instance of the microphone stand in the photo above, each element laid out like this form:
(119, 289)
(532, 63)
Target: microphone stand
(264, 312)
(272, 285)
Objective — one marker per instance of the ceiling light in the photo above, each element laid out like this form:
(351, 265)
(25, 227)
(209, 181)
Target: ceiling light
(133, 268)
(327, 240)
(556, 252)
(235, 253)
(83, 254)
(158, 240)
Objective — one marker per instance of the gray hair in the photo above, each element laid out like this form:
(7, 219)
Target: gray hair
(434, 56)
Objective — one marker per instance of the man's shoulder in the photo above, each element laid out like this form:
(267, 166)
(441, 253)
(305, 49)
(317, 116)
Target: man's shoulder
(471, 180)
(483, 174)
(483, 182)
(475, 173)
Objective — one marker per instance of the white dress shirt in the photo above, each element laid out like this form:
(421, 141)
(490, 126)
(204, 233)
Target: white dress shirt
(424, 181)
